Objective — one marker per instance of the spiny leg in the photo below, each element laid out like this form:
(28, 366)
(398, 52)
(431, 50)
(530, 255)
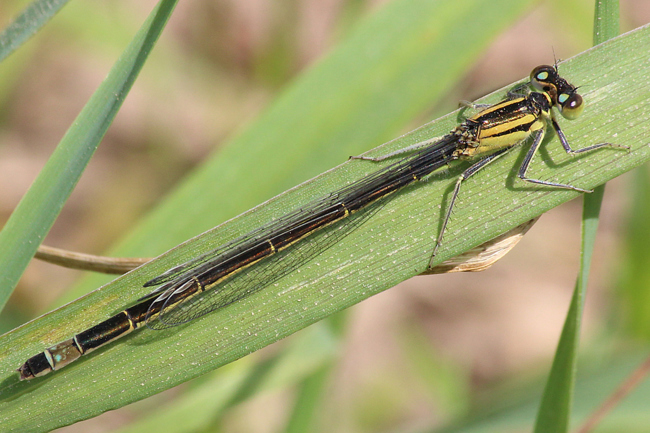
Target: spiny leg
(465, 175)
(538, 136)
(567, 147)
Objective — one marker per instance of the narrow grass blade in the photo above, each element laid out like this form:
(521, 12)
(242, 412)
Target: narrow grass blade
(35, 16)
(38, 209)
(555, 410)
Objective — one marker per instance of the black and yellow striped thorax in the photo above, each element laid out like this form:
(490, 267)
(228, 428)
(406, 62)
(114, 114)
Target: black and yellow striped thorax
(503, 125)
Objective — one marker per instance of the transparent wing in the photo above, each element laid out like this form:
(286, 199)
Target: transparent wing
(231, 249)
(257, 277)
(438, 155)
(179, 299)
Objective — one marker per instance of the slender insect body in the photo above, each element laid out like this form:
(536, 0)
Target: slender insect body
(254, 261)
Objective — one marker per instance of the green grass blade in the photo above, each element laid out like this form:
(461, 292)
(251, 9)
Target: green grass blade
(311, 392)
(38, 209)
(391, 247)
(399, 53)
(606, 20)
(557, 401)
(632, 288)
(555, 410)
(35, 16)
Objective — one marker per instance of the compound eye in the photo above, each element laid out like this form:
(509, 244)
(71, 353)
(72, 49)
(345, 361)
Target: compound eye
(543, 78)
(570, 105)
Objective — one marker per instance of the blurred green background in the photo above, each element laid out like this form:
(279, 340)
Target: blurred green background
(433, 352)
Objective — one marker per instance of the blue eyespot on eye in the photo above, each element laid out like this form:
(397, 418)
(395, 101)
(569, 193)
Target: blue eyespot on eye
(562, 98)
(542, 76)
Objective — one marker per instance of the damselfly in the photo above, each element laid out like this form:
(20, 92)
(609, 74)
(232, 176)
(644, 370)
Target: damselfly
(256, 260)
